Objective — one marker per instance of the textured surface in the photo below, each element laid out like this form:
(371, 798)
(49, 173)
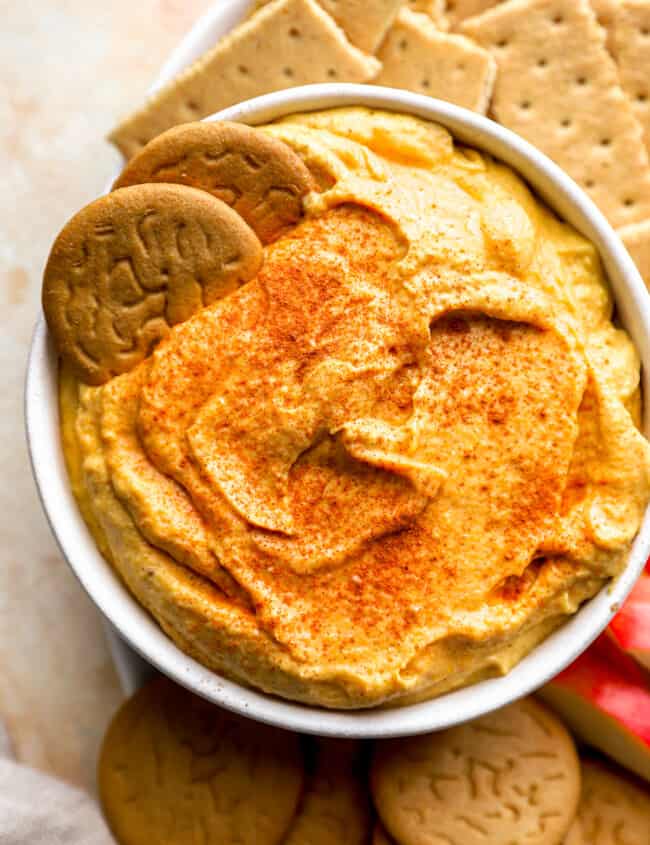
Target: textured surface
(511, 776)
(135, 262)
(436, 9)
(555, 82)
(613, 809)
(637, 240)
(287, 43)
(57, 685)
(176, 770)
(459, 10)
(260, 177)
(364, 23)
(606, 12)
(333, 400)
(417, 56)
(632, 51)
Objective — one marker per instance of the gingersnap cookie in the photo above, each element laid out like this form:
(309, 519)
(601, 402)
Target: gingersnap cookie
(132, 264)
(613, 809)
(510, 776)
(257, 175)
(176, 770)
(334, 809)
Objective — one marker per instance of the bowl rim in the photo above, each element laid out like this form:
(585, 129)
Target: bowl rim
(142, 633)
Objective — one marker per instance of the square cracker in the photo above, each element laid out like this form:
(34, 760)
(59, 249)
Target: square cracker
(436, 9)
(365, 23)
(606, 11)
(419, 57)
(558, 87)
(459, 10)
(289, 42)
(637, 240)
(632, 51)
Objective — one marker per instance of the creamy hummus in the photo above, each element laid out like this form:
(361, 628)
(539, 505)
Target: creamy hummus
(394, 461)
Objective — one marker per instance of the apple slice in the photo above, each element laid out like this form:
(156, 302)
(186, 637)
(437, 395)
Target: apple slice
(604, 697)
(630, 628)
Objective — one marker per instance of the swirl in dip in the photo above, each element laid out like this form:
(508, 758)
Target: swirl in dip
(394, 461)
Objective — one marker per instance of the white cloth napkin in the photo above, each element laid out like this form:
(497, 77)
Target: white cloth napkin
(36, 809)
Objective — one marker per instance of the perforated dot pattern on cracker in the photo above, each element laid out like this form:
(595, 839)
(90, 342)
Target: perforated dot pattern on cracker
(365, 24)
(418, 57)
(460, 10)
(632, 51)
(287, 43)
(556, 82)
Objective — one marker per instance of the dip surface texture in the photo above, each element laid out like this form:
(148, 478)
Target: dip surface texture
(399, 457)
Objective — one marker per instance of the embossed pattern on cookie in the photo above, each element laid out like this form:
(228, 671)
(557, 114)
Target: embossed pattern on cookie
(176, 770)
(257, 175)
(510, 776)
(613, 809)
(132, 264)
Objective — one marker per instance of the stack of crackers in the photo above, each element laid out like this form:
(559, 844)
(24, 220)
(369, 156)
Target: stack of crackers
(175, 770)
(571, 76)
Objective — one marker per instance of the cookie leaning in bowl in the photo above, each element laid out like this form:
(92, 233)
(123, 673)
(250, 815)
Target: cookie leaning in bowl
(261, 178)
(394, 460)
(134, 263)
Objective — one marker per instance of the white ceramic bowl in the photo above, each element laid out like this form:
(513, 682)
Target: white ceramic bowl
(139, 629)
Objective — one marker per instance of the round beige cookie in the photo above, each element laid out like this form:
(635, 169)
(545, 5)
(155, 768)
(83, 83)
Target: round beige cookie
(510, 776)
(259, 176)
(133, 263)
(176, 770)
(613, 809)
(335, 808)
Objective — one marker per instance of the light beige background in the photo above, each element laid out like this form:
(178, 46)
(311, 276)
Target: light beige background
(68, 70)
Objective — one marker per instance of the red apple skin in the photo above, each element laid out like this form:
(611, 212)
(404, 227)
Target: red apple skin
(630, 628)
(604, 697)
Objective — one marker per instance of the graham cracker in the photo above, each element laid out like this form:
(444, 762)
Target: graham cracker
(287, 43)
(558, 87)
(436, 9)
(632, 52)
(419, 57)
(606, 12)
(460, 10)
(637, 240)
(365, 23)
